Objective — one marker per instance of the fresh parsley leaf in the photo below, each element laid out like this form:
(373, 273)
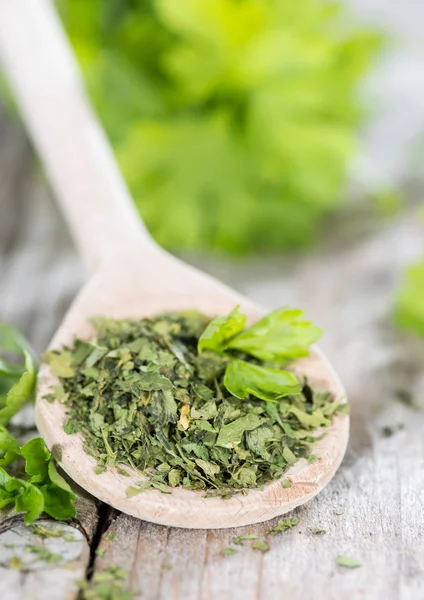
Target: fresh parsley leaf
(282, 335)
(58, 502)
(29, 500)
(43, 490)
(347, 561)
(220, 331)
(243, 378)
(21, 391)
(37, 459)
(9, 448)
(286, 483)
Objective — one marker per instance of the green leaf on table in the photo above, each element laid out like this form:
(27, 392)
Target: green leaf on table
(282, 335)
(57, 479)
(58, 502)
(29, 501)
(220, 331)
(37, 458)
(243, 378)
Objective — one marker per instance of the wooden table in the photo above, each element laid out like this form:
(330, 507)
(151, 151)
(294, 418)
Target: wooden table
(373, 509)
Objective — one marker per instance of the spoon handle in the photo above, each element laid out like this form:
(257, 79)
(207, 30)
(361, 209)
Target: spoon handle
(82, 169)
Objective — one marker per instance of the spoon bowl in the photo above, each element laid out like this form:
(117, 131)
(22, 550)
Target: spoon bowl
(161, 283)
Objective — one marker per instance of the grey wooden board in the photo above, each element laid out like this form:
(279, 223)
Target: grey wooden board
(347, 286)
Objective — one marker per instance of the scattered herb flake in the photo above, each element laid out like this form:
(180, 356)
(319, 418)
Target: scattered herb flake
(16, 563)
(390, 430)
(43, 553)
(286, 483)
(282, 525)
(339, 511)
(242, 538)
(227, 551)
(100, 551)
(406, 398)
(318, 530)
(106, 585)
(111, 538)
(347, 561)
(260, 545)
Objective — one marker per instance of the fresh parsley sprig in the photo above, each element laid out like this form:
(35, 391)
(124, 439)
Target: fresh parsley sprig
(281, 336)
(39, 487)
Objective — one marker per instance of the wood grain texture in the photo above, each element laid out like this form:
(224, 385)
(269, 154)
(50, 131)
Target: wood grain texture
(347, 287)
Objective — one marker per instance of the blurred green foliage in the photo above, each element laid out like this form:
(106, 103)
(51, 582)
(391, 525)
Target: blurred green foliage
(233, 120)
(409, 312)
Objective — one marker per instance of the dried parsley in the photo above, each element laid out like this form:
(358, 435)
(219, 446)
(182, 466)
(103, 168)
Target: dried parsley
(347, 561)
(318, 531)
(239, 540)
(190, 401)
(43, 553)
(106, 585)
(282, 525)
(227, 551)
(260, 545)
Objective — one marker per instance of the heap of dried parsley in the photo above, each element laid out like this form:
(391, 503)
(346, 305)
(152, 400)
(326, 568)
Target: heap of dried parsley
(193, 402)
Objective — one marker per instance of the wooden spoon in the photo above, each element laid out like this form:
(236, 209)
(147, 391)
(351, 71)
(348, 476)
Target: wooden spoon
(130, 276)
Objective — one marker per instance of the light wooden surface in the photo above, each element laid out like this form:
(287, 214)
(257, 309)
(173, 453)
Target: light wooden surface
(130, 276)
(347, 288)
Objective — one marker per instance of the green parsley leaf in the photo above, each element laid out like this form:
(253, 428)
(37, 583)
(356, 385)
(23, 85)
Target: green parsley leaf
(37, 459)
(21, 391)
(282, 335)
(9, 448)
(286, 483)
(347, 561)
(243, 378)
(29, 499)
(220, 330)
(58, 502)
